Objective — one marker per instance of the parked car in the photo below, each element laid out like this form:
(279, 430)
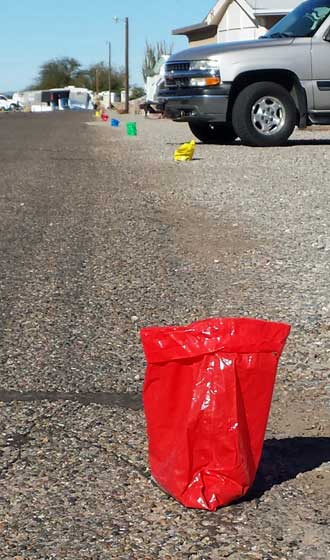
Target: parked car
(7, 104)
(255, 90)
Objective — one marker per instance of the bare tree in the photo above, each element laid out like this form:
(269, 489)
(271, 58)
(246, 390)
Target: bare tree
(152, 55)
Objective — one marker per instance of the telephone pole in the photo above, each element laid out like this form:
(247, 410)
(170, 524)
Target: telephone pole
(97, 80)
(109, 74)
(117, 20)
(126, 66)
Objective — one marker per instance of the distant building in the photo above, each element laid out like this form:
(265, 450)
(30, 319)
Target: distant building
(236, 20)
(56, 99)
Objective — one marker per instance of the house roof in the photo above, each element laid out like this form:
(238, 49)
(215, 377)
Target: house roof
(208, 27)
(202, 28)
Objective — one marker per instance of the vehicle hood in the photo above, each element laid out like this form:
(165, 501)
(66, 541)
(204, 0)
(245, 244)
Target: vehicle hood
(208, 51)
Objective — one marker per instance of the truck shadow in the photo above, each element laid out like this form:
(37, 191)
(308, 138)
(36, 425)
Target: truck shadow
(284, 459)
(311, 142)
(289, 143)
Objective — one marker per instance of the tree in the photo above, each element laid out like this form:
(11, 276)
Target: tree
(152, 55)
(58, 72)
(62, 72)
(149, 61)
(97, 77)
(137, 92)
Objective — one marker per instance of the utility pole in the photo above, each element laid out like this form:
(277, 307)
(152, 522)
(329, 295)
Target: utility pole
(126, 66)
(109, 74)
(117, 20)
(97, 80)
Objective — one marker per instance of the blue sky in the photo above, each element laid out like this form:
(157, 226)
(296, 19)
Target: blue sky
(33, 31)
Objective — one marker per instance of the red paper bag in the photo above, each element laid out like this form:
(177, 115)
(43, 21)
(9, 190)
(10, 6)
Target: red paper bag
(207, 395)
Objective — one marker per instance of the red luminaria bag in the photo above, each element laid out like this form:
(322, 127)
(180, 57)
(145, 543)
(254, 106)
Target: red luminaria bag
(207, 395)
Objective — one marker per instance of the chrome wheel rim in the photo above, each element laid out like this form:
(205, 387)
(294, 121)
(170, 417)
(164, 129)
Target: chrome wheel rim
(268, 115)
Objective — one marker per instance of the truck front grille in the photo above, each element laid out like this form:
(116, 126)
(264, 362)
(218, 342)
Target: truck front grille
(177, 66)
(176, 74)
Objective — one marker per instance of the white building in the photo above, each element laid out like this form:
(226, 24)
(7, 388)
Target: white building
(237, 20)
(69, 97)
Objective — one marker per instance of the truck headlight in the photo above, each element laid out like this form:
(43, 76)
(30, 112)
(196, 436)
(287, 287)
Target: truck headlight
(204, 65)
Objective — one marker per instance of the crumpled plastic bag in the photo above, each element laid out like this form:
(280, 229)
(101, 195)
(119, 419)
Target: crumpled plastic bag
(185, 152)
(207, 395)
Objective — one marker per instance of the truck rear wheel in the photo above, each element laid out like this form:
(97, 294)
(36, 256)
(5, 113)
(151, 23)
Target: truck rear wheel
(213, 133)
(264, 114)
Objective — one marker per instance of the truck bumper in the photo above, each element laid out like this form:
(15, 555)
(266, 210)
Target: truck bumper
(189, 108)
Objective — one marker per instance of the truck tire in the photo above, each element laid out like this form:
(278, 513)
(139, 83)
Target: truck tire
(264, 114)
(213, 133)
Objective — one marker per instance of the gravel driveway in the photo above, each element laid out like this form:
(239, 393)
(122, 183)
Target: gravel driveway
(102, 234)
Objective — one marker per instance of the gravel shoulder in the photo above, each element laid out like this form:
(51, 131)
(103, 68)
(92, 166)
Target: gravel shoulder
(102, 234)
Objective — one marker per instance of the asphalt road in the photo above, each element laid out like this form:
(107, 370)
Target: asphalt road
(54, 231)
(46, 234)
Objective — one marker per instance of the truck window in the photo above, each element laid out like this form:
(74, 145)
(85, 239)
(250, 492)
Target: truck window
(303, 21)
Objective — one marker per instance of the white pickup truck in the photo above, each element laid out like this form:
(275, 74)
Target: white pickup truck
(7, 104)
(255, 90)
(156, 81)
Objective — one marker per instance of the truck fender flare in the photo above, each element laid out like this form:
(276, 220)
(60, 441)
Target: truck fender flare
(283, 77)
(300, 97)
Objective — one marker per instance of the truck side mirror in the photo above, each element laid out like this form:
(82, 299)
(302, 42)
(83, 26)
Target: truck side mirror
(327, 36)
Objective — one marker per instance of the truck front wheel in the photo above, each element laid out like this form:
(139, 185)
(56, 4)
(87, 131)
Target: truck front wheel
(213, 133)
(264, 114)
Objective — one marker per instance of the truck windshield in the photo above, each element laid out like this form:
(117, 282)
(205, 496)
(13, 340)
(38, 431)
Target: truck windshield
(303, 21)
